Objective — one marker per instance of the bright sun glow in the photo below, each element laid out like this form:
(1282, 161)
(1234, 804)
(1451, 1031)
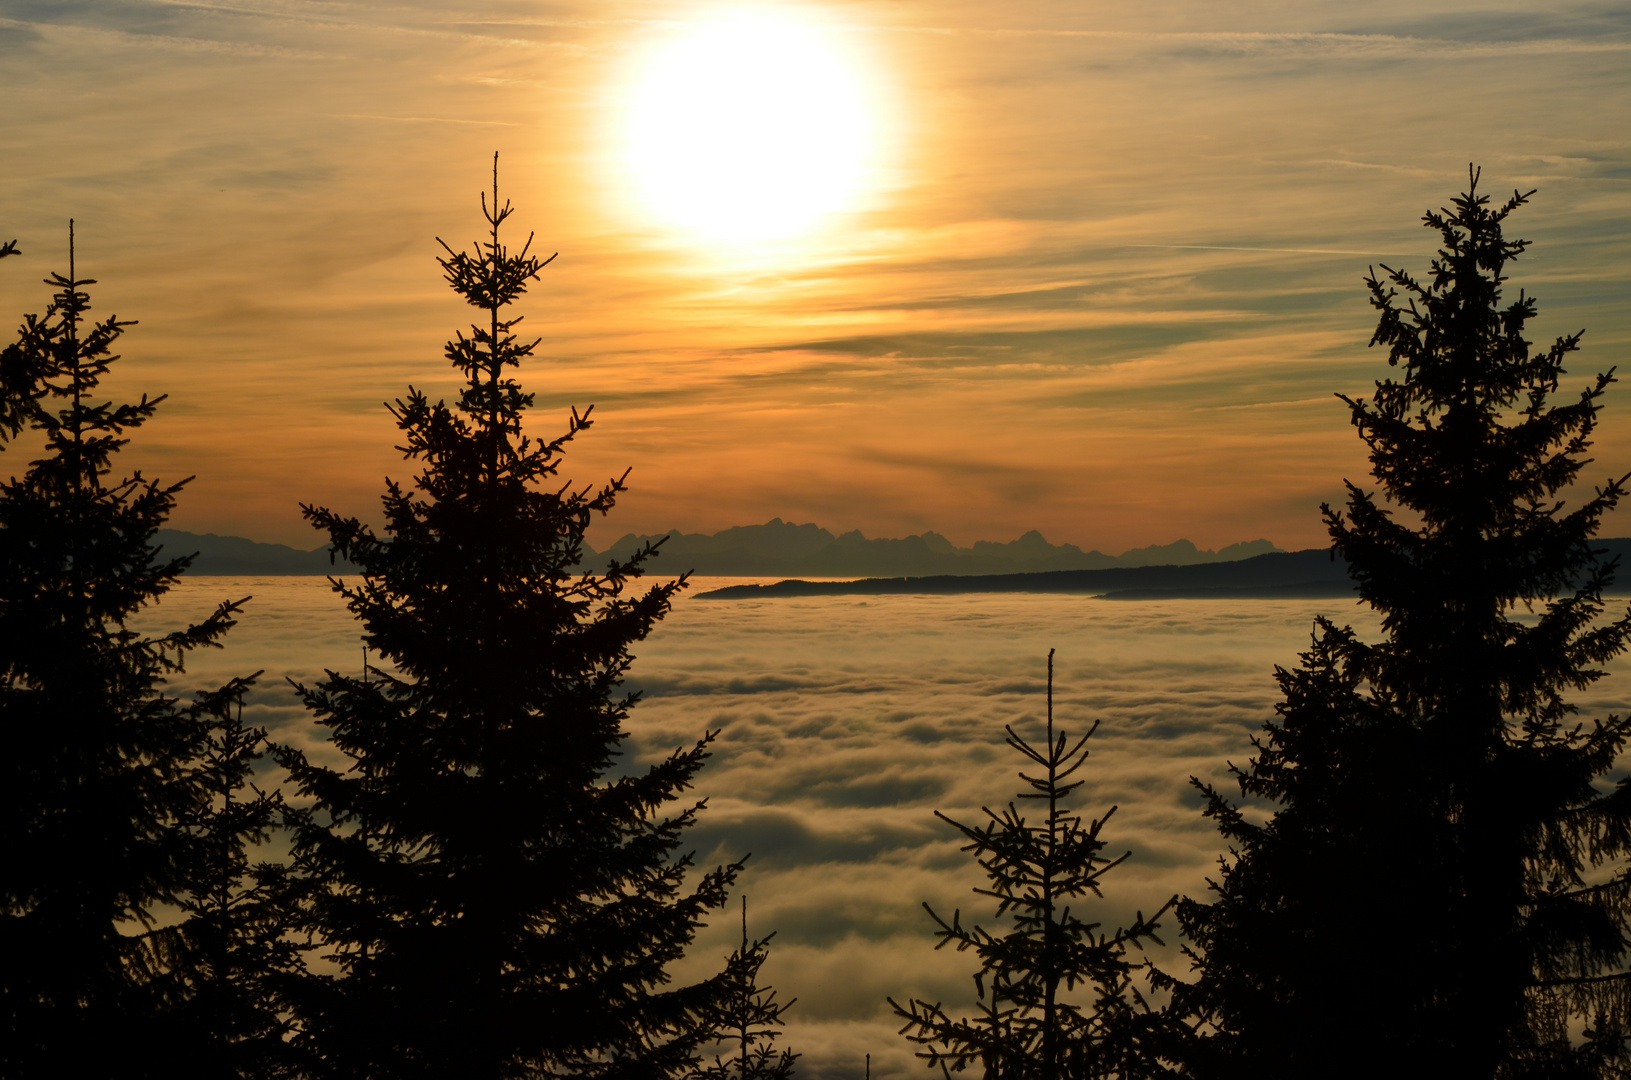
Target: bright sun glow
(750, 129)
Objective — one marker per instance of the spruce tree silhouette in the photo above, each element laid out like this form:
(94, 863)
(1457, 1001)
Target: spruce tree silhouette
(99, 776)
(240, 952)
(748, 1018)
(1032, 1024)
(19, 389)
(497, 902)
(1441, 886)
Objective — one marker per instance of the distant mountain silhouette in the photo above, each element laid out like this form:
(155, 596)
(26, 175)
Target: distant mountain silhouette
(234, 556)
(924, 563)
(1275, 574)
(776, 548)
(1312, 573)
(782, 548)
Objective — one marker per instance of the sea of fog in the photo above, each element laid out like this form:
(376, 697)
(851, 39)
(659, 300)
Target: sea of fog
(845, 722)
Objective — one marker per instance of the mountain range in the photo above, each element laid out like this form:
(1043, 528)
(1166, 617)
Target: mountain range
(1312, 573)
(238, 557)
(774, 549)
(779, 548)
(924, 563)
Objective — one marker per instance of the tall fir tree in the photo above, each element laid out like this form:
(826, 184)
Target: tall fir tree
(498, 902)
(1059, 998)
(99, 777)
(1442, 881)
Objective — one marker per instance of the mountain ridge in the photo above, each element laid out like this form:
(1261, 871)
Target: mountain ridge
(1129, 576)
(780, 548)
(236, 556)
(775, 549)
(1313, 573)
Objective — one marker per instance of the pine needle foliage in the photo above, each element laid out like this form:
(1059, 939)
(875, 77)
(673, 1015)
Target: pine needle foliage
(98, 778)
(1442, 880)
(497, 902)
(748, 1018)
(1033, 1022)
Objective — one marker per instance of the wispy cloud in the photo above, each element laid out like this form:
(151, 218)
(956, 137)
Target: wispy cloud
(1097, 239)
(419, 119)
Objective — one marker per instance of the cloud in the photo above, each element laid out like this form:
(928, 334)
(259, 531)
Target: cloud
(1097, 235)
(1104, 285)
(845, 725)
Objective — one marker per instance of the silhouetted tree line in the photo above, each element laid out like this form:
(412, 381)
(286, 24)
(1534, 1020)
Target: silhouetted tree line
(472, 893)
(1432, 878)
(1440, 885)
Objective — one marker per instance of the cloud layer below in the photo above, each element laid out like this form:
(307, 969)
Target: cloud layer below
(844, 724)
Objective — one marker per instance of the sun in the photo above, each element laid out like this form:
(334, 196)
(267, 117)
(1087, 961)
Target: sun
(750, 128)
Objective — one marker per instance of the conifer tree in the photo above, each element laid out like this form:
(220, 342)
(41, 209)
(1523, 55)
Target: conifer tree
(18, 387)
(748, 1018)
(1442, 881)
(501, 899)
(98, 775)
(239, 952)
(1033, 1022)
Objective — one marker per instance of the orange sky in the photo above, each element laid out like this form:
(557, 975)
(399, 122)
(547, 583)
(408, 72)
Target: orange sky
(1101, 278)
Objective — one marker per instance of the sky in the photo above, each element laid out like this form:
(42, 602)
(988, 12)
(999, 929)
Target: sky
(1083, 267)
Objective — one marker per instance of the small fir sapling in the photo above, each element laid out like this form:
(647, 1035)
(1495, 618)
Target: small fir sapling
(749, 1016)
(1058, 997)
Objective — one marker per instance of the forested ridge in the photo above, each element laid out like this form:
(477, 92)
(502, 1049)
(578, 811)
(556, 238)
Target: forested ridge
(474, 884)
